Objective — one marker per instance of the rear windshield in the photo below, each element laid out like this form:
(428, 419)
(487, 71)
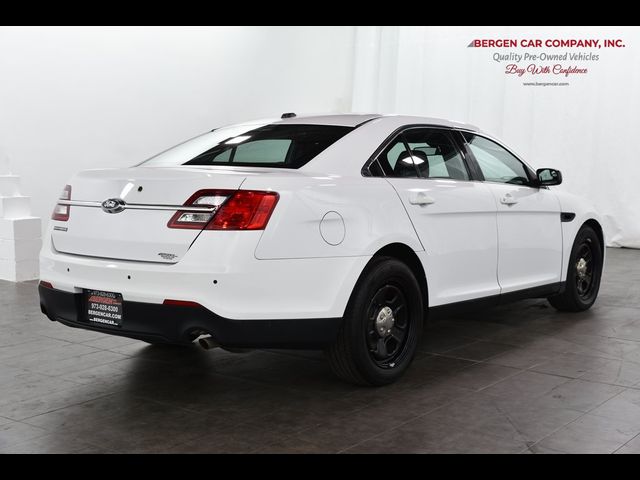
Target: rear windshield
(280, 146)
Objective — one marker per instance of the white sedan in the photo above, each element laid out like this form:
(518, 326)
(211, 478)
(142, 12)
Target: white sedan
(330, 232)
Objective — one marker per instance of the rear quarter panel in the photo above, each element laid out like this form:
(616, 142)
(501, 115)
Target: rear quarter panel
(368, 212)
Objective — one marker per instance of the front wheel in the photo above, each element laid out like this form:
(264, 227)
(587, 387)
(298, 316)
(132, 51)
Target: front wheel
(584, 274)
(382, 325)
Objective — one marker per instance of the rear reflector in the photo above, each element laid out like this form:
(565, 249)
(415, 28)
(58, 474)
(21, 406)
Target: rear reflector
(182, 303)
(61, 212)
(232, 210)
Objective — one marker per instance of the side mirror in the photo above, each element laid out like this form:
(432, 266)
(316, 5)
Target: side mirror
(548, 176)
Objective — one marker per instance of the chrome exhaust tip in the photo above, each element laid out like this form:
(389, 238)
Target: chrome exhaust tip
(207, 342)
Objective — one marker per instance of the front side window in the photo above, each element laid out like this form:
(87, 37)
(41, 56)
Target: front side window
(496, 163)
(273, 145)
(435, 154)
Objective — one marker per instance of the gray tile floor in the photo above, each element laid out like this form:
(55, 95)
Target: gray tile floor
(520, 378)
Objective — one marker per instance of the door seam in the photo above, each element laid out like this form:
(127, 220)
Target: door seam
(407, 212)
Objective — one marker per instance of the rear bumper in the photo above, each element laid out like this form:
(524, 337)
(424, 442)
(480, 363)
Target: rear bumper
(219, 272)
(181, 324)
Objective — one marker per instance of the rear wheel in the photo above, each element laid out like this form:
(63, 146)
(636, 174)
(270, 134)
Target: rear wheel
(584, 274)
(382, 325)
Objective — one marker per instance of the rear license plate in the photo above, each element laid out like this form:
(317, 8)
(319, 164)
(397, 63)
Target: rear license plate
(104, 308)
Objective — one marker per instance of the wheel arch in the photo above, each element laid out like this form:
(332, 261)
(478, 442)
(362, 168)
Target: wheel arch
(593, 223)
(408, 256)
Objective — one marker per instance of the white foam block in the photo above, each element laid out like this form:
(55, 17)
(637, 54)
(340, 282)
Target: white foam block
(9, 186)
(19, 250)
(19, 271)
(20, 228)
(15, 207)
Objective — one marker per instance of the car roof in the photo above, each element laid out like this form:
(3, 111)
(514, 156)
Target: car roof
(345, 120)
(354, 120)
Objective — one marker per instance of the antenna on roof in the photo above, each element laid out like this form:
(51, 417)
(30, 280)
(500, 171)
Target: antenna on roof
(288, 115)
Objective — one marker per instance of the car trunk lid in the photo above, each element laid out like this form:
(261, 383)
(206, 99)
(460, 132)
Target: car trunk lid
(140, 232)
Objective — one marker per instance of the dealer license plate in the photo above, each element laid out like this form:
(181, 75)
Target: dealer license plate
(104, 308)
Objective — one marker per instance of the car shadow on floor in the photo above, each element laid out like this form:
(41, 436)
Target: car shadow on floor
(475, 373)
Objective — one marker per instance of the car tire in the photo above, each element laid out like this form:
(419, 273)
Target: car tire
(382, 325)
(584, 274)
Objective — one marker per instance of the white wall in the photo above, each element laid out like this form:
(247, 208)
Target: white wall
(589, 130)
(76, 98)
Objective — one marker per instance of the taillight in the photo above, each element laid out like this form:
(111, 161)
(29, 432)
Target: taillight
(208, 199)
(232, 210)
(61, 212)
(245, 210)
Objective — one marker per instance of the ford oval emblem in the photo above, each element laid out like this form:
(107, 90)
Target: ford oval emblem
(113, 205)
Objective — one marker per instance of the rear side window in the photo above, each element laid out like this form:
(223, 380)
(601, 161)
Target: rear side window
(435, 154)
(278, 146)
(394, 161)
(420, 153)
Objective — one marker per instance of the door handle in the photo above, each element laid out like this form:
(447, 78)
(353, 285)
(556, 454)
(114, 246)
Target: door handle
(508, 199)
(421, 199)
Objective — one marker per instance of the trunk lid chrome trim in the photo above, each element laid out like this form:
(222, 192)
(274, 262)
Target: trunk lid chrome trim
(140, 206)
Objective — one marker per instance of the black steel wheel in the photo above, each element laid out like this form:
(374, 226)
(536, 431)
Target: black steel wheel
(584, 270)
(387, 328)
(382, 325)
(583, 275)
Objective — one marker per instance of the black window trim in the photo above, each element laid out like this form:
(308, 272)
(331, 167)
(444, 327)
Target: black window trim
(530, 173)
(399, 132)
